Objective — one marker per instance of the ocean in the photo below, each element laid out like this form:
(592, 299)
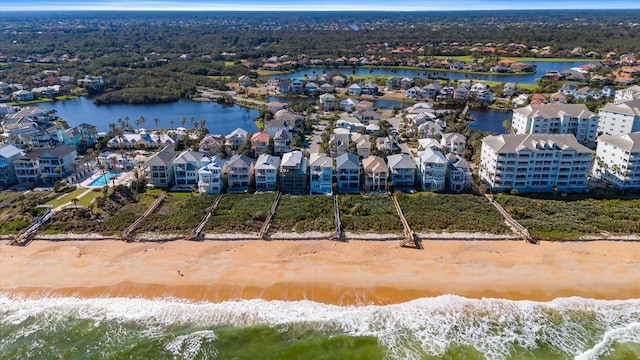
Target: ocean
(445, 327)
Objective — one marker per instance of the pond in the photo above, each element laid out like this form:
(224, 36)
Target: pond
(220, 119)
(541, 68)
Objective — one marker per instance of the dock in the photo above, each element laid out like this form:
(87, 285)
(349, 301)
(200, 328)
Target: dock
(264, 231)
(409, 235)
(127, 233)
(196, 234)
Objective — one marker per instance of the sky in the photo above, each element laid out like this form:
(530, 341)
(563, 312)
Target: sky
(310, 5)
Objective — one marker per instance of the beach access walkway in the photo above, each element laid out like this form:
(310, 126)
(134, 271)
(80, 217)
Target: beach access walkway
(410, 236)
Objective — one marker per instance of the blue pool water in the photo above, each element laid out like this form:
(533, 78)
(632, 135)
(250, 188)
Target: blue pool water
(103, 180)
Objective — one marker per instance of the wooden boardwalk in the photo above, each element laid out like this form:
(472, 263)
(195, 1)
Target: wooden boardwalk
(410, 236)
(339, 233)
(127, 234)
(25, 236)
(264, 231)
(196, 234)
(512, 222)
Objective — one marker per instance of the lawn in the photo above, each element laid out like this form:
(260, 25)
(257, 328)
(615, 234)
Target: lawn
(451, 212)
(240, 213)
(64, 198)
(304, 213)
(219, 77)
(370, 213)
(573, 218)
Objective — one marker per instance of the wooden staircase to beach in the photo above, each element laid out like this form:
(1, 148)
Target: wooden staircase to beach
(196, 234)
(339, 233)
(127, 234)
(410, 236)
(521, 230)
(264, 231)
(25, 236)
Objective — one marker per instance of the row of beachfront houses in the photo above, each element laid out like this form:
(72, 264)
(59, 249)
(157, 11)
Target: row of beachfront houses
(293, 173)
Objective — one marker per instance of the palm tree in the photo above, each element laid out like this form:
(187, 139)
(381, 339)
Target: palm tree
(75, 201)
(202, 124)
(183, 120)
(171, 122)
(507, 126)
(156, 121)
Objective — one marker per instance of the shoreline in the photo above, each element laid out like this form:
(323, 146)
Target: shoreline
(351, 273)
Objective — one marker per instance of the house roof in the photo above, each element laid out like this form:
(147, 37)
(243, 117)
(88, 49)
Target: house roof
(260, 136)
(320, 159)
(347, 161)
(454, 136)
(401, 161)
(293, 159)
(9, 151)
(512, 143)
(282, 134)
(163, 157)
(216, 163)
(629, 142)
(631, 107)
(431, 156)
(267, 162)
(189, 157)
(239, 132)
(60, 151)
(548, 111)
(375, 164)
(240, 160)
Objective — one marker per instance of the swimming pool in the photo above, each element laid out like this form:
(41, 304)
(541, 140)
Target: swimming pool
(103, 180)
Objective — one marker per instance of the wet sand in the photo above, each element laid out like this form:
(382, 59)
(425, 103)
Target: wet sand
(357, 272)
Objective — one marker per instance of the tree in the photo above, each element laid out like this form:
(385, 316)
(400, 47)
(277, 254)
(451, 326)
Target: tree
(75, 201)
(156, 121)
(183, 120)
(507, 126)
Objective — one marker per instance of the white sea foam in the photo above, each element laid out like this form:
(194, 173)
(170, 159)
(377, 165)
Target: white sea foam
(626, 334)
(409, 330)
(189, 346)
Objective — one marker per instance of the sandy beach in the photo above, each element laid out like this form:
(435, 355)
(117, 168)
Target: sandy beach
(357, 272)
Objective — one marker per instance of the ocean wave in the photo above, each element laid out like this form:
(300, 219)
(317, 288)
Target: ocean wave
(574, 327)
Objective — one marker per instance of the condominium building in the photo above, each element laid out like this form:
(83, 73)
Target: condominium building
(556, 118)
(535, 162)
(620, 118)
(618, 160)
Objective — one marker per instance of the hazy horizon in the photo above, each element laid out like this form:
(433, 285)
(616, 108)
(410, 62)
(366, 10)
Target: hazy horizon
(299, 5)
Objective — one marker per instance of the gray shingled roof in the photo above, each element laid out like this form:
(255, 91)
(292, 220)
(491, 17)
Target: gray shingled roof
(631, 107)
(512, 143)
(629, 142)
(554, 110)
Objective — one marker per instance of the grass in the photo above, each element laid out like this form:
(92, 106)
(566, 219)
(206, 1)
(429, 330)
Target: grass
(67, 198)
(573, 217)
(240, 213)
(451, 212)
(43, 100)
(371, 213)
(303, 213)
(179, 212)
(228, 63)
(219, 77)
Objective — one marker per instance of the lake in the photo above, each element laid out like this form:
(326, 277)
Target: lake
(220, 119)
(542, 68)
